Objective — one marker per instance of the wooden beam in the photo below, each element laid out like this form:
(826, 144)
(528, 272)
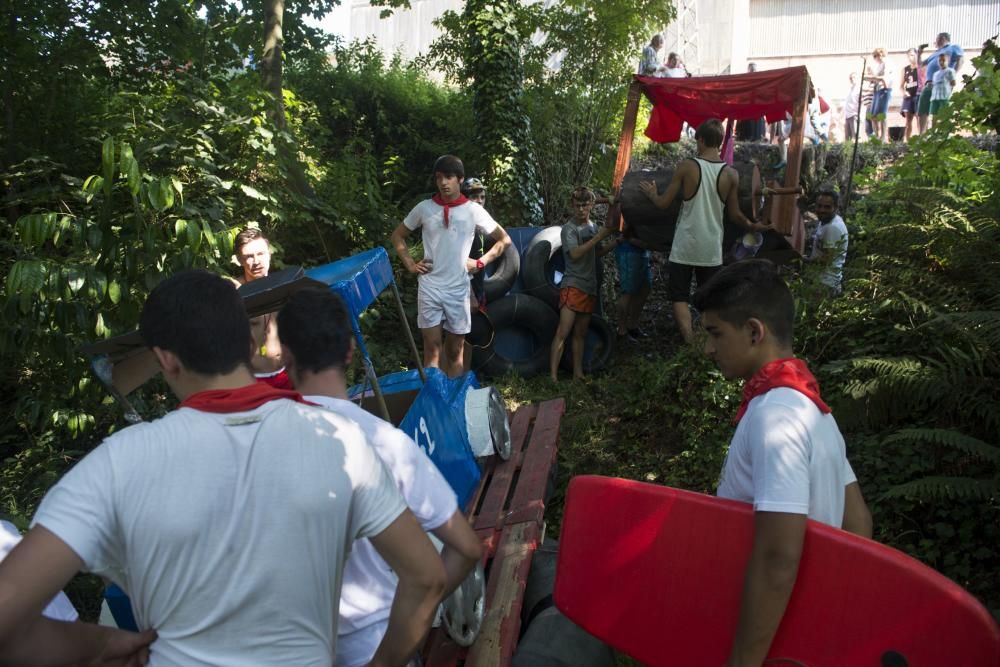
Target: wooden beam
(624, 153)
(786, 205)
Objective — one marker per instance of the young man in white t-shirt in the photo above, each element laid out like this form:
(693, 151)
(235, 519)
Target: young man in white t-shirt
(787, 456)
(448, 222)
(830, 241)
(318, 344)
(227, 521)
(59, 608)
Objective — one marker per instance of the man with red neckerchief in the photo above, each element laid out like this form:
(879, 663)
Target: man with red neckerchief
(448, 223)
(226, 521)
(787, 456)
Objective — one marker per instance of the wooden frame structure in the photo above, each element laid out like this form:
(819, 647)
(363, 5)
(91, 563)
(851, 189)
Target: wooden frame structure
(783, 216)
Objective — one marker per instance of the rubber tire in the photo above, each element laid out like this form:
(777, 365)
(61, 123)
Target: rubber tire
(605, 334)
(523, 311)
(535, 272)
(498, 284)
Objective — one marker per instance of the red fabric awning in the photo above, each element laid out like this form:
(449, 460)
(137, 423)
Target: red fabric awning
(693, 100)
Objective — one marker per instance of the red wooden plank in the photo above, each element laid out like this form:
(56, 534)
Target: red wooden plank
(508, 545)
(528, 503)
(494, 647)
(492, 509)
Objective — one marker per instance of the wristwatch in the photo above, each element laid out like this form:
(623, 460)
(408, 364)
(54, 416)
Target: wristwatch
(479, 265)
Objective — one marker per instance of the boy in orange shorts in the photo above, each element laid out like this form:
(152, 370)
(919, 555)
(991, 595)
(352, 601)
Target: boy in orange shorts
(578, 292)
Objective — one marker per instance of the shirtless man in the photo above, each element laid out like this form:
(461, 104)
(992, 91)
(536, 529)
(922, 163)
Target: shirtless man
(253, 251)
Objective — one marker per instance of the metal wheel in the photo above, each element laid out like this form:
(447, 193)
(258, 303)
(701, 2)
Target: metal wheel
(464, 609)
(499, 424)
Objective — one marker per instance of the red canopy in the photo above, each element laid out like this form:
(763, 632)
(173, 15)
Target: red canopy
(769, 94)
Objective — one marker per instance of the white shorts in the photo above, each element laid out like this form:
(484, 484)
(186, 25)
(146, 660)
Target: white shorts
(451, 310)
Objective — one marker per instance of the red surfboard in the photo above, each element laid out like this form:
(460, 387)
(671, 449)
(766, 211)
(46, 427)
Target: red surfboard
(658, 572)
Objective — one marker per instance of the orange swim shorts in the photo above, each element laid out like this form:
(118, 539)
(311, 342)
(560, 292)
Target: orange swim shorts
(577, 300)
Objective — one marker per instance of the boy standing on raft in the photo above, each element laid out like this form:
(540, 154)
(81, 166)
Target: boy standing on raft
(787, 456)
(578, 290)
(448, 222)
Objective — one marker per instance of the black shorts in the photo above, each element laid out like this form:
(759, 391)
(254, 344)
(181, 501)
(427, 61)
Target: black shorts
(679, 279)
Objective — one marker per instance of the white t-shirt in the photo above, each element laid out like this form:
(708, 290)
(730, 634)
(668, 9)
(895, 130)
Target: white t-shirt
(449, 246)
(943, 84)
(675, 72)
(787, 456)
(369, 584)
(851, 102)
(831, 236)
(228, 531)
(60, 609)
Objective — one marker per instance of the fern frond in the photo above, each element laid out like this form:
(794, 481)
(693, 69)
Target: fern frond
(948, 438)
(946, 488)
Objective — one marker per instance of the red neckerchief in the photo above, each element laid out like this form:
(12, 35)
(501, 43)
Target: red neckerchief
(462, 199)
(242, 399)
(792, 373)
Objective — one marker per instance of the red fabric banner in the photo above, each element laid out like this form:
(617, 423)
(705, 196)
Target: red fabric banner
(693, 100)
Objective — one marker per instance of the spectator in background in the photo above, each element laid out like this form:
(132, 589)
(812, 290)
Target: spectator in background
(474, 189)
(635, 278)
(851, 107)
(878, 75)
(751, 130)
(675, 68)
(581, 247)
(649, 64)
(829, 246)
(955, 57)
(910, 85)
(943, 84)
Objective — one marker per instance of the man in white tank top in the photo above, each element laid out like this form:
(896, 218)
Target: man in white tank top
(697, 245)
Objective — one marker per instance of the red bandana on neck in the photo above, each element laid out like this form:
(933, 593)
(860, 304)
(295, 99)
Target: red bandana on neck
(791, 373)
(462, 199)
(242, 399)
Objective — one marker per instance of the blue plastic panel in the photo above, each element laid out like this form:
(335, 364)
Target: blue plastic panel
(121, 608)
(437, 425)
(392, 383)
(358, 279)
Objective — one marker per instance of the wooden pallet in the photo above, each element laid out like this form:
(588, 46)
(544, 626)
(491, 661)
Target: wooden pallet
(506, 511)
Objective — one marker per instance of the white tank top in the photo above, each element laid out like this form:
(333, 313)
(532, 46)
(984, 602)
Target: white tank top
(698, 237)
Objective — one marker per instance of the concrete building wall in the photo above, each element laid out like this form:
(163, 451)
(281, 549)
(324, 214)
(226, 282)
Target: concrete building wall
(408, 31)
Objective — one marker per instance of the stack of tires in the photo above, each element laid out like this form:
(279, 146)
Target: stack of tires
(522, 312)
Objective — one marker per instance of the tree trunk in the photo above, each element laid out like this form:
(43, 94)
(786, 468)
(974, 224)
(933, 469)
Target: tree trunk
(271, 80)
(270, 64)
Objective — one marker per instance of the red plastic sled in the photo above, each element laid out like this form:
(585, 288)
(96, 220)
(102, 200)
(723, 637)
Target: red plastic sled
(658, 572)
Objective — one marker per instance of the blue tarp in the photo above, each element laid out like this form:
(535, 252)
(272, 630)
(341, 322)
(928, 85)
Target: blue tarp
(436, 422)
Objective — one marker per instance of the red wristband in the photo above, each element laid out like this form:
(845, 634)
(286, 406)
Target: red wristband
(479, 265)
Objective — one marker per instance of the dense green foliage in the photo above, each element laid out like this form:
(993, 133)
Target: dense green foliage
(549, 82)
(140, 168)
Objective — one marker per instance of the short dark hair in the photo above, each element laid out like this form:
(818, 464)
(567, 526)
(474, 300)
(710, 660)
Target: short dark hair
(246, 236)
(198, 316)
(449, 165)
(315, 326)
(583, 194)
(750, 288)
(832, 194)
(945, 36)
(710, 132)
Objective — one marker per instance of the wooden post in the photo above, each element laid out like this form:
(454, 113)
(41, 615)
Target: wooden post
(624, 153)
(786, 205)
